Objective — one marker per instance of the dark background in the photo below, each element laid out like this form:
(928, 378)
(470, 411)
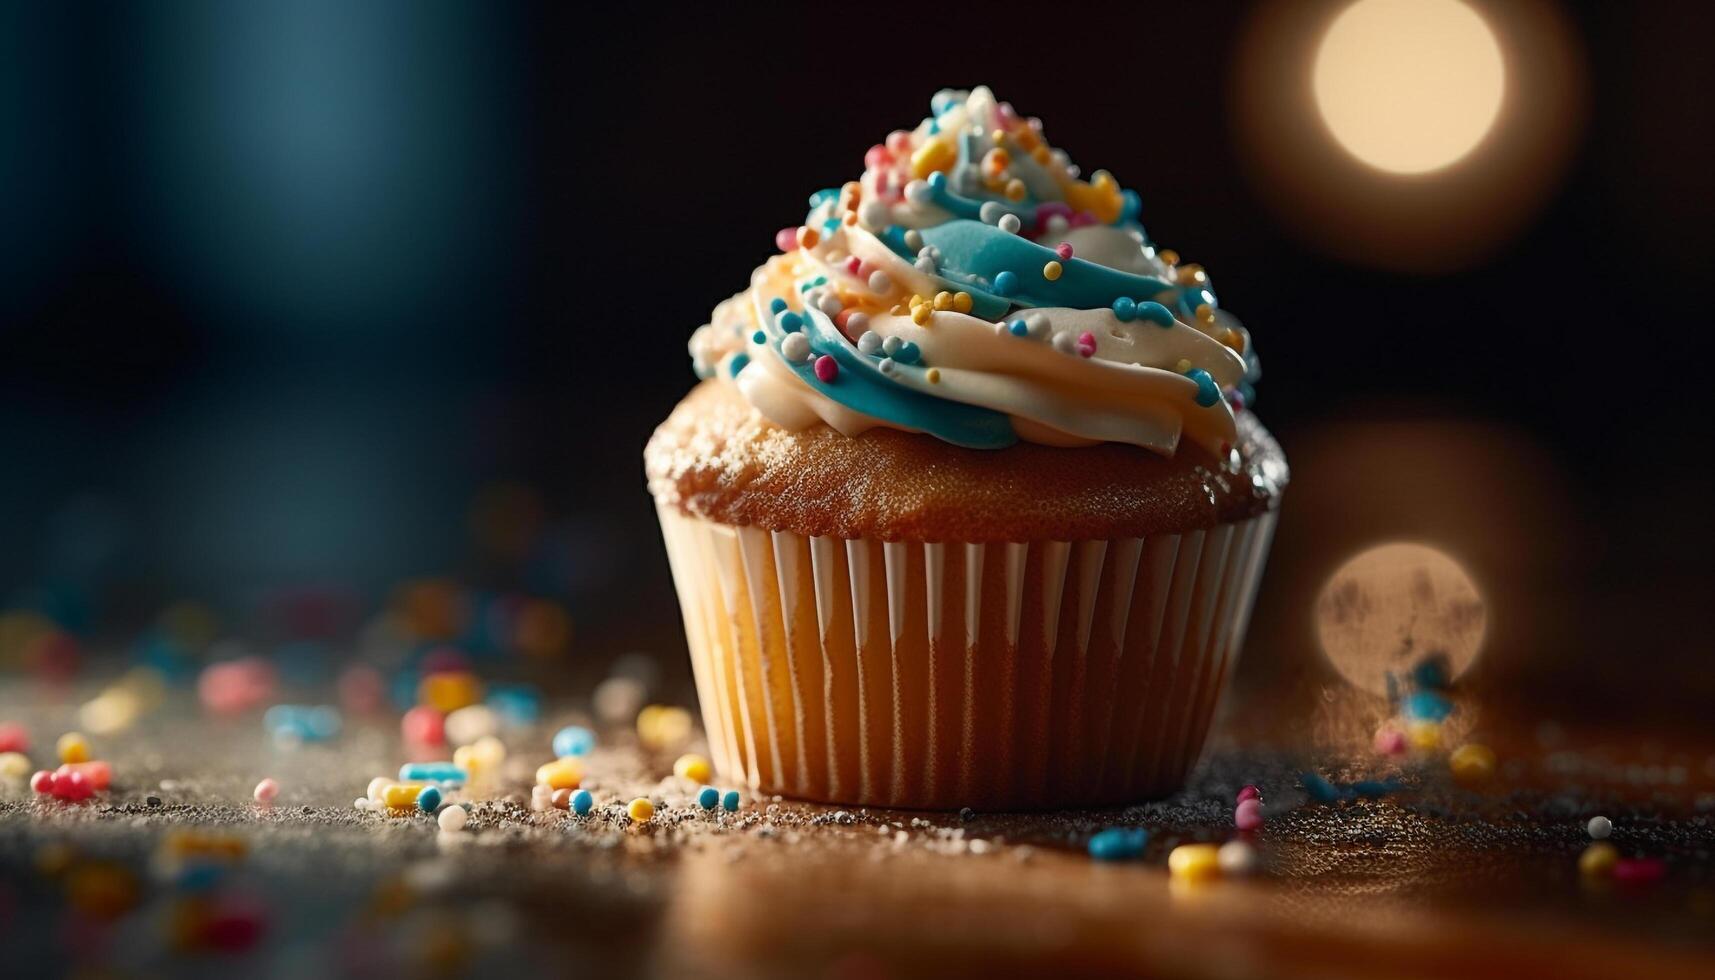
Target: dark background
(284, 287)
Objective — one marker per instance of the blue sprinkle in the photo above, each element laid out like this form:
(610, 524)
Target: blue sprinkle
(520, 704)
(1126, 309)
(791, 322)
(709, 798)
(777, 305)
(1155, 313)
(738, 363)
(1119, 844)
(908, 353)
(428, 799)
(937, 181)
(582, 802)
(825, 194)
(1320, 789)
(1005, 282)
(1431, 673)
(573, 740)
(1427, 706)
(431, 772)
(729, 802)
(1019, 328)
(934, 126)
(1208, 394)
(758, 337)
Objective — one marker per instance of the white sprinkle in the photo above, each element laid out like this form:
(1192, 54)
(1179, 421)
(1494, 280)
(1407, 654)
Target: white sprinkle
(913, 239)
(1010, 224)
(879, 282)
(796, 347)
(917, 192)
(857, 323)
(869, 342)
(361, 803)
(1057, 224)
(886, 365)
(874, 215)
(1002, 330)
(891, 346)
(452, 818)
(1600, 828)
(925, 264)
(376, 785)
(1064, 342)
(829, 304)
(991, 212)
(1037, 324)
(1236, 858)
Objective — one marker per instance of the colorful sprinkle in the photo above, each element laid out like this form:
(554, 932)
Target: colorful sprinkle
(429, 800)
(1064, 250)
(786, 239)
(1472, 763)
(583, 801)
(1006, 282)
(827, 369)
(1051, 271)
(1195, 862)
(1208, 393)
(1599, 828)
(1087, 344)
(640, 810)
(72, 747)
(1119, 844)
(1248, 815)
(266, 791)
(709, 798)
(692, 767)
(1248, 792)
(777, 305)
(1237, 858)
(729, 802)
(1125, 309)
(1019, 328)
(575, 739)
(1598, 860)
(452, 819)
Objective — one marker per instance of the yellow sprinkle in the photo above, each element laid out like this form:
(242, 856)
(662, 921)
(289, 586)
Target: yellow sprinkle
(850, 218)
(917, 300)
(1205, 312)
(934, 375)
(1195, 862)
(920, 314)
(640, 810)
(1168, 256)
(564, 773)
(1472, 763)
(996, 159)
(1183, 365)
(400, 795)
(1598, 859)
(693, 767)
(1015, 189)
(998, 137)
(14, 766)
(661, 726)
(1192, 274)
(449, 690)
(1027, 139)
(943, 300)
(1051, 271)
(807, 237)
(1235, 340)
(1042, 156)
(936, 155)
(72, 747)
(899, 310)
(1424, 736)
(962, 301)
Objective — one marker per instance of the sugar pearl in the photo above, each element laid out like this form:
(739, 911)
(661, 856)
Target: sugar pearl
(1010, 224)
(452, 819)
(1237, 858)
(925, 264)
(829, 304)
(917, 192)
(991, 212)
(796, 347)
(879, 282)
(913, 239)
(857, 323)
(891, 346)
(1037, 323)
(1599, 828)
(869, 342)
(266, 790)
(1064, 342)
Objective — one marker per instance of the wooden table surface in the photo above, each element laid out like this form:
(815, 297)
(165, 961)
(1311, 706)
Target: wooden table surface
(1433, 881)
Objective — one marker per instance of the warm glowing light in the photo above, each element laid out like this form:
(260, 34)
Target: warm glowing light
(1408, 86)
(1390, 608)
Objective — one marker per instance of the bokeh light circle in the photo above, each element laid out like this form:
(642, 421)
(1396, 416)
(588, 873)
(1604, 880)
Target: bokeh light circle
(1409, 86)
(1391, 607)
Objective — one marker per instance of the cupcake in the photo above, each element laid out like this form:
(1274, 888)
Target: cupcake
(970, 506)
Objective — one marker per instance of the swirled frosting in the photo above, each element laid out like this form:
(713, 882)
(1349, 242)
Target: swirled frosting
(973, 287)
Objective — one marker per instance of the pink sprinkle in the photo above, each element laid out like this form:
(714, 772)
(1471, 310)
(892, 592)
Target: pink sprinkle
(877, 157)
(42, 782)
(826, 368)
(1248, 815)
(786, 239)
(266, 790)
(1064, 250)
(14, 737)
(899, 142)
(1249, 793)
(1087, 343)
(854, 265)
(72, 786)
(1390, 741)
(1640, 871)
(1236, 398)
(1082, 218)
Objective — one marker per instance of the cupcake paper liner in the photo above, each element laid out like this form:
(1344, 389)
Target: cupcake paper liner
(927, 675)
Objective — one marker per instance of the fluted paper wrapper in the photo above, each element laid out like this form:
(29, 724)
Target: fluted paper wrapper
(1035, 674)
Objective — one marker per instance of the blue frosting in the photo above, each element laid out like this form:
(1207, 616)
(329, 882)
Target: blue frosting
(862, 387)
